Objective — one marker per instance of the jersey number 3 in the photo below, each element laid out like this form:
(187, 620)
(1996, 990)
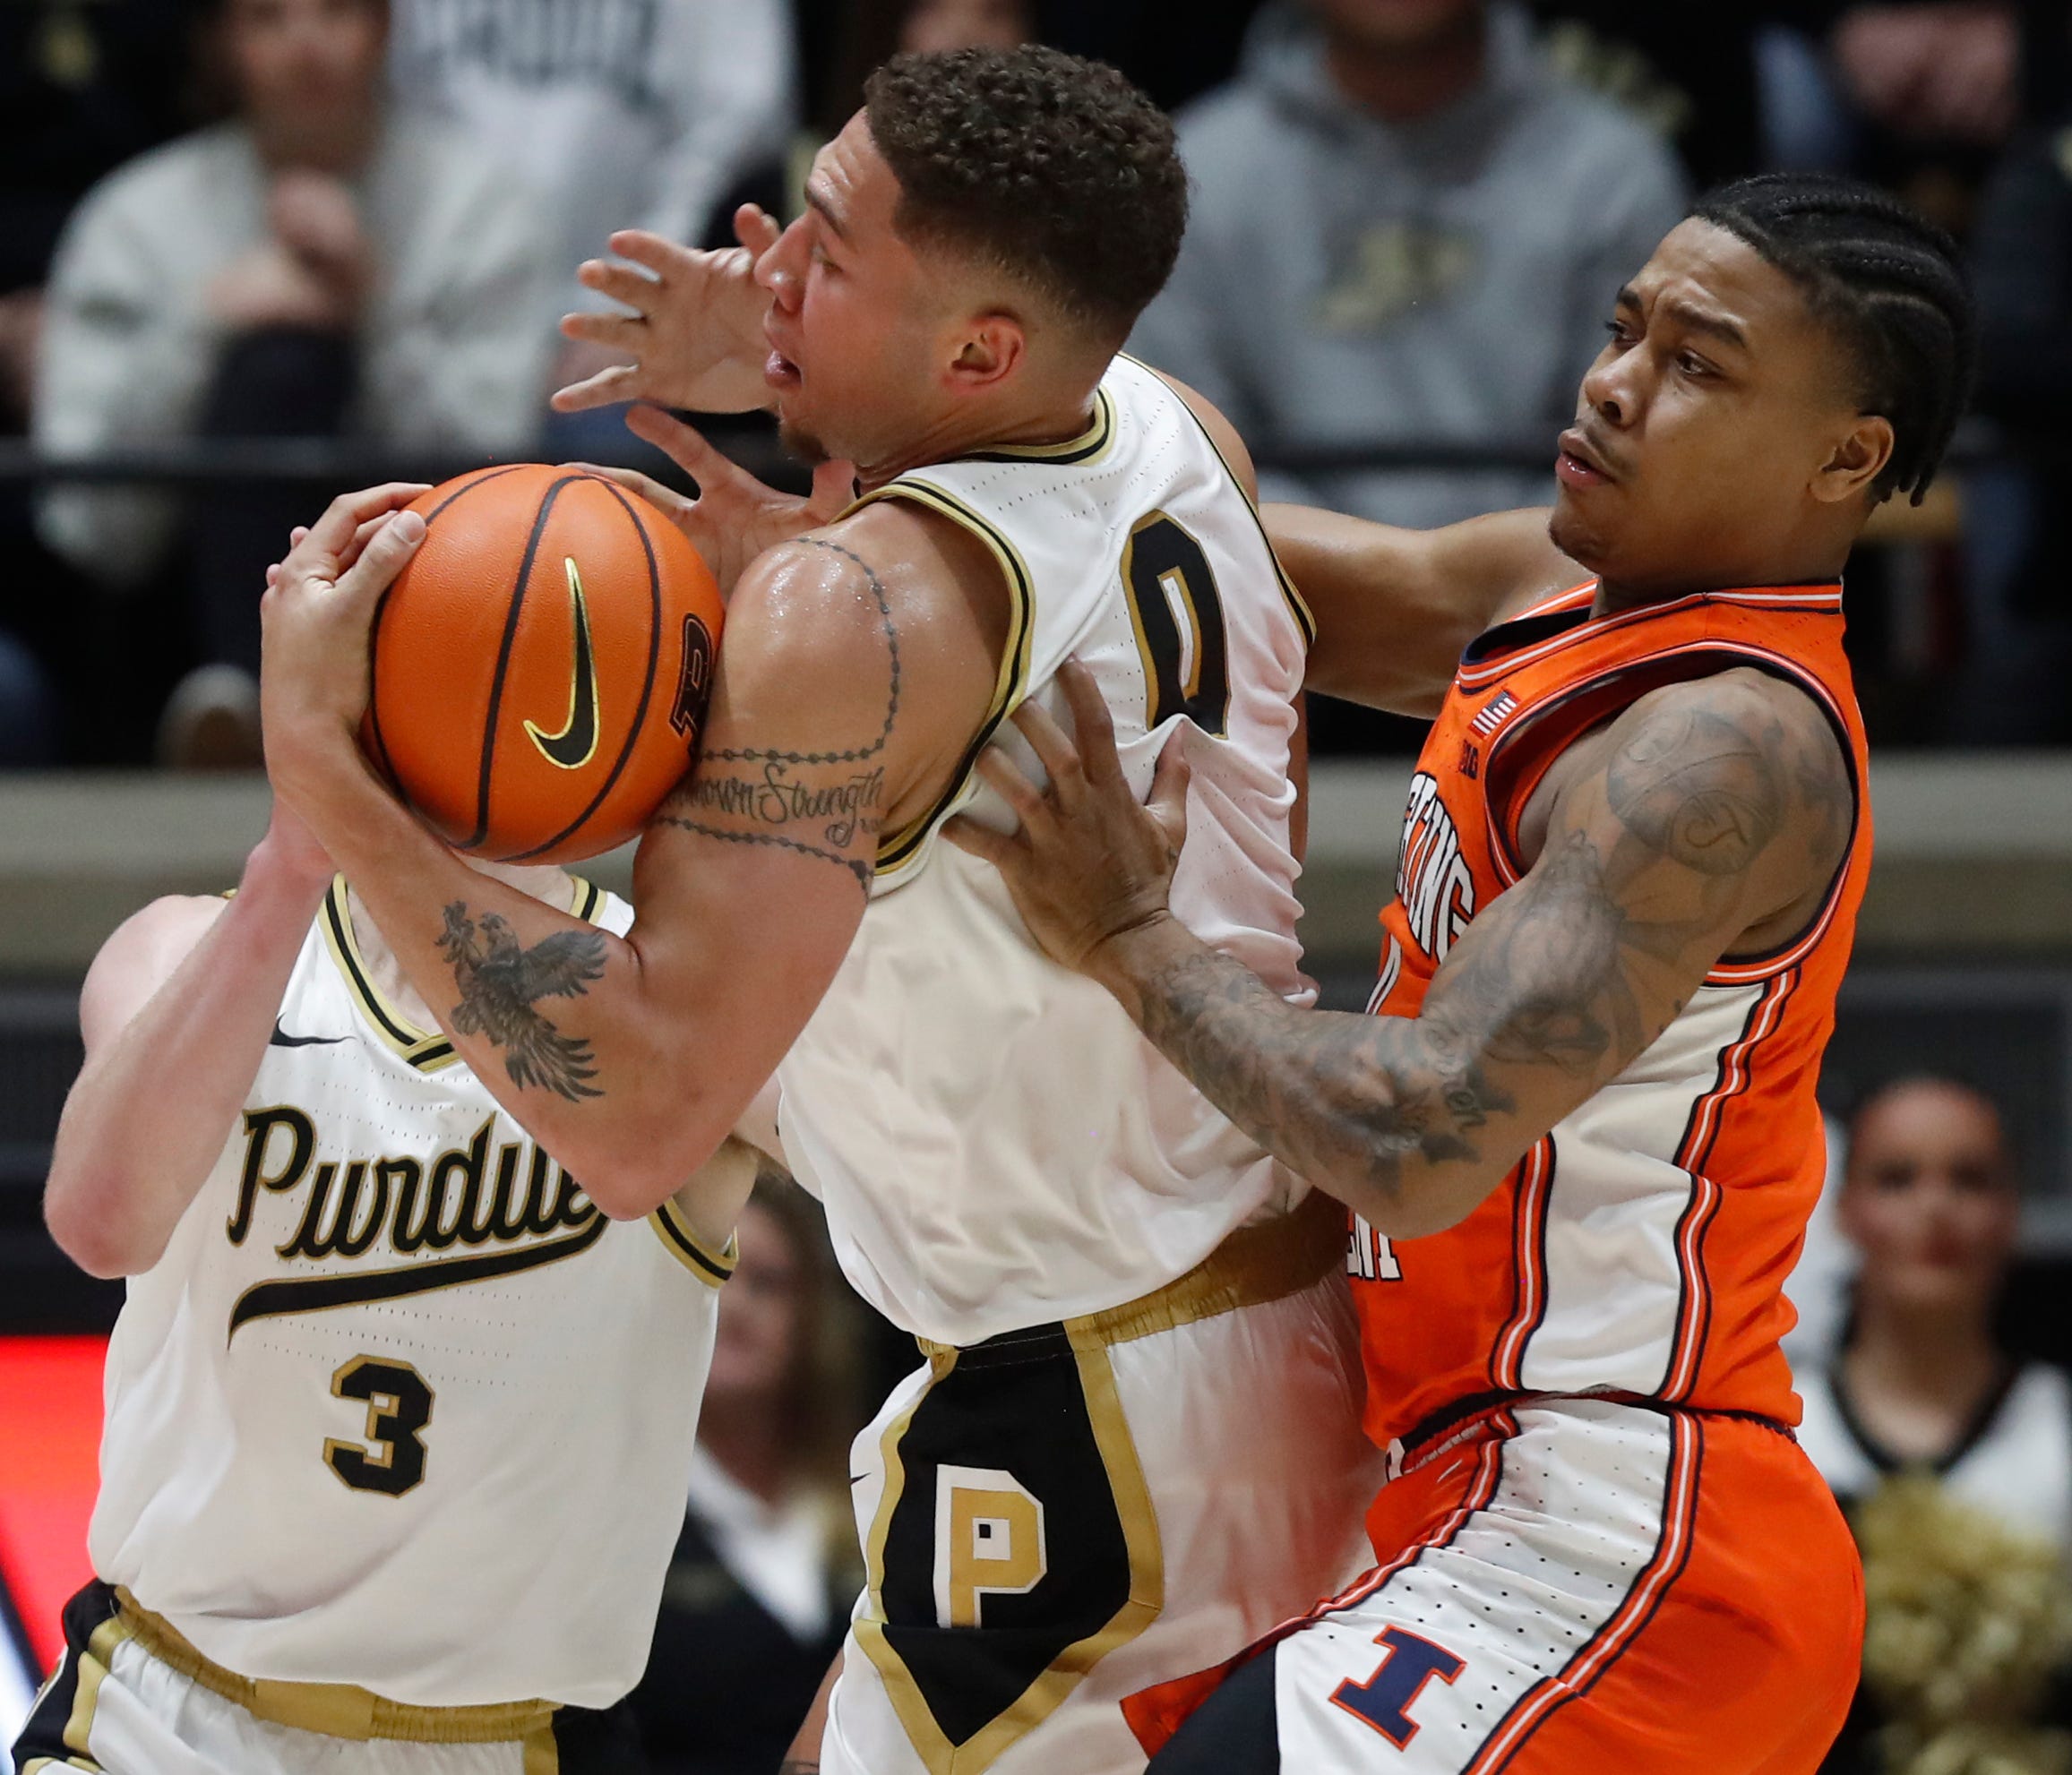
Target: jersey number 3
(398, 1406)
(1177, 614)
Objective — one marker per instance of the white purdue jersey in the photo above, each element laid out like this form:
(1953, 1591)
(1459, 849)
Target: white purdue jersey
(995, 1143)
(400, 1407)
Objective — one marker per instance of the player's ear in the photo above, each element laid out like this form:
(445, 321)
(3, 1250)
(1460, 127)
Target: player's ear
(991, 349)
(1857, 459)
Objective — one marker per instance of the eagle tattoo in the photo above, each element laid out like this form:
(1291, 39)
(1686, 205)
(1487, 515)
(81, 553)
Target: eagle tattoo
(499, 981)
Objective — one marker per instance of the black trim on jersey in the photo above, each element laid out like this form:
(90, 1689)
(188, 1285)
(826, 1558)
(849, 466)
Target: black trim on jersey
(43, 1733)
(423, 1050)
(1089, 443)
(318, 1294)
(902, 845)
(1975, 1431)
(691, 1250)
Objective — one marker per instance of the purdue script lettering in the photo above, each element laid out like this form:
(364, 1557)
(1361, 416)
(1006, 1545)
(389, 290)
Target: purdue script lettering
(463, 1197)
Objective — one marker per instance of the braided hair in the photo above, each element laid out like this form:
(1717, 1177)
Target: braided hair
(1888, 282)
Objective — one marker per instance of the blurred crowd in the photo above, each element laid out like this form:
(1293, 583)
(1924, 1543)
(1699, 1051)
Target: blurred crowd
(336, 235)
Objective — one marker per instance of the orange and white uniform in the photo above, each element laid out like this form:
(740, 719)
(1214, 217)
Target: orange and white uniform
(1600, 1536)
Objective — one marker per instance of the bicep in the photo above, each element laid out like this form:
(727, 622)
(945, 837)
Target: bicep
(143, 954)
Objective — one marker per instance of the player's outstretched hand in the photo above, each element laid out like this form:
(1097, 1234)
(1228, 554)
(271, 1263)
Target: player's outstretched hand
(734, 517)
(695, 333)
(1089, 862)
(314, 620)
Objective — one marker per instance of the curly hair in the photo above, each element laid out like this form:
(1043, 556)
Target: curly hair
(1888, 282)
(1050, 167)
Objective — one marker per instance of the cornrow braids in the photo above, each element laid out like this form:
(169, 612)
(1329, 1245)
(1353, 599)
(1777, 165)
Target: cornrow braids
(1888, 283)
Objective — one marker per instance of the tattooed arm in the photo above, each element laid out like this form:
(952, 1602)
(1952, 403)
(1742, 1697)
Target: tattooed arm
(1708, 818)
(856, 664)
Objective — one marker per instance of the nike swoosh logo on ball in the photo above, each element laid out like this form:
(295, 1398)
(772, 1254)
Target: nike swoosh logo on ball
(573, 747)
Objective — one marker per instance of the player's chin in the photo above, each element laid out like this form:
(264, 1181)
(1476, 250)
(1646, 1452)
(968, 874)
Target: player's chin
(1584, 536)
(800, 442)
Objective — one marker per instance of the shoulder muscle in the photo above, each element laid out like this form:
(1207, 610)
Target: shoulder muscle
(141, 954)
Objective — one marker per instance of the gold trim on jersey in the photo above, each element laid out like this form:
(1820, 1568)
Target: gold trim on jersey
(336, 1709)
(427, 1050)
(1304, 621)
(89, 1670)
(674, 1229)
(1042, 1698)
(1010, 684)
(1089, 446)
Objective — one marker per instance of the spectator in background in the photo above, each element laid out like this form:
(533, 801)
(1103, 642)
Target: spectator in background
(2018, 639)
(623, 114)
(318, 265)
(1406, 229)
(758, 1592)
(1922, 1384)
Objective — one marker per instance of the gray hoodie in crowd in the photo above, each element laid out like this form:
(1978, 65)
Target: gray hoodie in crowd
(1348, 280)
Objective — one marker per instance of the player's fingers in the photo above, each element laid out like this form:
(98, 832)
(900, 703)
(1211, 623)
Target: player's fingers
(1168, 802)
(756, 230)
(607, 388)
(660, 254)
(632, 285)
(1055, 748)
(629, 333)
(384, 556)
(981, 841)
(273, 576)
(684, 445)
(1092, 724)
(1023, 799)
(334, 532)
(633, 482)
(298, 534)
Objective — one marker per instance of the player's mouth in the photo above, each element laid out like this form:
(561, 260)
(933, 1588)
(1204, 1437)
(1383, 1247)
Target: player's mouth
(777, 370)
(1579, 465)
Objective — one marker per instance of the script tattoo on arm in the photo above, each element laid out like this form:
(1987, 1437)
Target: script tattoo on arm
(500, 980)
(1649, 874)
(817, 804)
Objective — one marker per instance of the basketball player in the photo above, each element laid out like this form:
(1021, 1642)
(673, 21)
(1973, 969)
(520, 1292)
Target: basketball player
(397, 1419)
(1578, 1131)
(1135, 1444)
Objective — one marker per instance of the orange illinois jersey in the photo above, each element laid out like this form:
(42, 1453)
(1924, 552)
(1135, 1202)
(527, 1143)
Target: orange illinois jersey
(1640, 1247)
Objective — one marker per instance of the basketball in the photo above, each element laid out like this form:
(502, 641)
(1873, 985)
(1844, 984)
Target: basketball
(540, 669)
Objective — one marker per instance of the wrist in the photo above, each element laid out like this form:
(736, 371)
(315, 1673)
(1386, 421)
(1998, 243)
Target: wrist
(1124, 959)
(283, 874)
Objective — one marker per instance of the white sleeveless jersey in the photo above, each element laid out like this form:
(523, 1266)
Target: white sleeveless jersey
(400, 1407)
(995, 1143)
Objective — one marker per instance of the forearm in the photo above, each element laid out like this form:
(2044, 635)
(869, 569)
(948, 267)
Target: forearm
(591, 1067)
(1382, 1112)
(148, 1117)
(804, 1757)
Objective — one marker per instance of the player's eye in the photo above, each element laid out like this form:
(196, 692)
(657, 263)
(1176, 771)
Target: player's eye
(1621, 334)
(1692, 364)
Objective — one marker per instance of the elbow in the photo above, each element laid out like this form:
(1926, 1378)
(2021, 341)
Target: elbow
(631, 1177)
(94, 1238)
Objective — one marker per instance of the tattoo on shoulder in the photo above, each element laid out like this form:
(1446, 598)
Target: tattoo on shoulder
(821, 804)
(499, 980)
(1699, 789)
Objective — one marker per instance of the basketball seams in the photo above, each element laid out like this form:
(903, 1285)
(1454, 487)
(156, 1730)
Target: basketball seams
(388, 766)
(647, 683)
(548, 499)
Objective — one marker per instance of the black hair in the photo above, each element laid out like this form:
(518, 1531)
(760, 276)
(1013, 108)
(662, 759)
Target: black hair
(1889, 1085)
(1891, 286)
(1053, 167)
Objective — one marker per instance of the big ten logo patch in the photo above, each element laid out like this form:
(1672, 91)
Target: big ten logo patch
(1433, 878)
(989, 1541)
(1370, 1256)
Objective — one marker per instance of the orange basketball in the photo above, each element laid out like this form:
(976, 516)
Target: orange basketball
(541, 666)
